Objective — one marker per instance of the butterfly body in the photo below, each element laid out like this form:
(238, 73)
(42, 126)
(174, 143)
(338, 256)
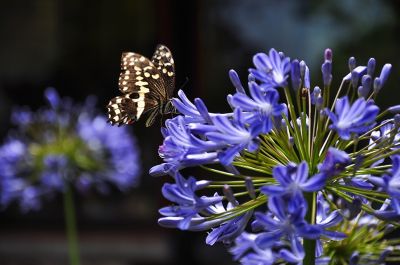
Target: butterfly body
(146, 86)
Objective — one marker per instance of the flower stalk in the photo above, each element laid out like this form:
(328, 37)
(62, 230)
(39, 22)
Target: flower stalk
(71, 228)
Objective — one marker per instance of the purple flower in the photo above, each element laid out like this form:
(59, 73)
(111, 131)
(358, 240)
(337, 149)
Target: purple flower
(391, 183)
(64, 143)
(54, 171)
(384, 76)
(316, 98)
(115, 146)
(235, 135)
(357, 118)
(295, 75)
(334, 163)
(271, 69)
(248, 253)
(21, 116)
(10, 190)
(387, 132)
(52, 97)
(285, 219)
(293, 180)
(193, 113)
(352, 63)
(326, 69)
(181, 148)
(296, 253)
(326, 219)
(305, 74)
(371, 66)
(30, 199)
(182, 192)
(236, 81)
(227, 231)
(263, 105)
(366, 82)
(12, 153)
(355, 74)
(250, 149)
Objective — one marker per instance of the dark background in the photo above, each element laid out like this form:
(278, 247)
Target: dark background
(75, 46)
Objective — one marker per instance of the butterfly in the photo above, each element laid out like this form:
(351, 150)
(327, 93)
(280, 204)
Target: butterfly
(147, 87)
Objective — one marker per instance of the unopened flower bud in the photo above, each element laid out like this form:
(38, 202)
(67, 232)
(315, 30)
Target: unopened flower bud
(326, 69)
(377, 85)
(295, 75)
(251, 78)
(250, 187)
(352, 63)
(354, 79)
(385, 73)
(366, 82)
(236, 81)
(302, 68)
(371, 66)
(328, 55)
(229, 195)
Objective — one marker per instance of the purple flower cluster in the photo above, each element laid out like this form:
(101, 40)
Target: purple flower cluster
(64, 144)
(295, 173)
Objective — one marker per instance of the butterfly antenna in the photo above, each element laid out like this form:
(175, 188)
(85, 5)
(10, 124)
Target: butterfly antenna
(184, 83)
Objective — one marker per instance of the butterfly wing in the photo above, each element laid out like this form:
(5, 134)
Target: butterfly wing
(139, 74)
(163, 60)
(129, 108)
(145, 84)
(142, 86)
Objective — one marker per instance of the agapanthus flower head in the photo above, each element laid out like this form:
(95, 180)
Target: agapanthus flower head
(61, 145)
(303, 177)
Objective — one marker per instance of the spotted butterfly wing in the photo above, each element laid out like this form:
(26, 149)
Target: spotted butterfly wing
(146, 85)
(162, 57)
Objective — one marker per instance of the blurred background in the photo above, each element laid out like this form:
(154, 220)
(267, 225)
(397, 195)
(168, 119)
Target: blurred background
(75, 46)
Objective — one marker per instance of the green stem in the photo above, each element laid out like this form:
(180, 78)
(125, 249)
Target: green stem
(309, 244)
(70, 222)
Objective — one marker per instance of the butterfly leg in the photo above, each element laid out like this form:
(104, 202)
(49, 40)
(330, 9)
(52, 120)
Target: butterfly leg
(152, 117)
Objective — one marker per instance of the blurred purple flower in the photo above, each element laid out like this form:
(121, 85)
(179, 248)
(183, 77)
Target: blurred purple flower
(64, 144)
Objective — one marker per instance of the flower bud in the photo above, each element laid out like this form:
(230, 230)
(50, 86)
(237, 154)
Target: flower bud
(377, 85)
(354, 79)
(250, 187)
(352, 63)
(229, 195)
(326, 69)
(366, 82)
(371, 66)
(385, 73)
(236, 81)
(328, 55)
(295, 75)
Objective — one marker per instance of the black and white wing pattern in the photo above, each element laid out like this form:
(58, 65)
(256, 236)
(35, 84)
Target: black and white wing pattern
(146, 86)
(162, 57)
